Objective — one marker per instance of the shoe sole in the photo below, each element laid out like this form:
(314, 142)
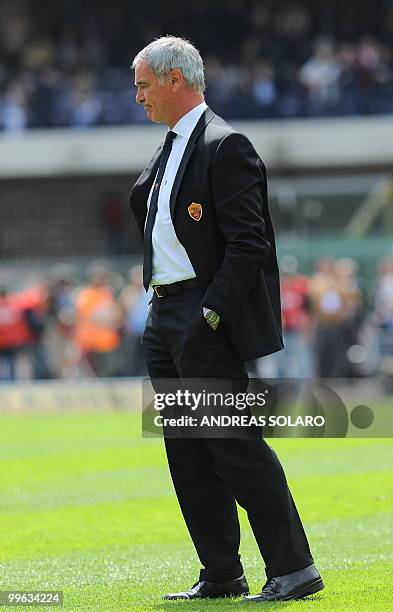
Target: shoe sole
(312, 588)
(211, 597)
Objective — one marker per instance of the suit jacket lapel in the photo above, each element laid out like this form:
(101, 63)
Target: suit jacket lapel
(199, 128)
(140, 191)
(143, 185)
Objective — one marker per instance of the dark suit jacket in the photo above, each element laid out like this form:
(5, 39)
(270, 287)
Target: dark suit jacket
(231, 247)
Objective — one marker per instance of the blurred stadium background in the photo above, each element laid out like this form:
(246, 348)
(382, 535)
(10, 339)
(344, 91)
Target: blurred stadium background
(311, 83)
(86, 505)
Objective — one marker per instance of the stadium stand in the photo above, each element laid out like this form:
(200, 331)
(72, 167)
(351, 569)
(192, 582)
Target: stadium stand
(66, 63)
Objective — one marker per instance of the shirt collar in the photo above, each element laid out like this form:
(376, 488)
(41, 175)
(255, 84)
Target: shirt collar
(185, 126)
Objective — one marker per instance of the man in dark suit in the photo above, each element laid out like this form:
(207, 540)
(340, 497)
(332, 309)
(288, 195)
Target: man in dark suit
(209, 254)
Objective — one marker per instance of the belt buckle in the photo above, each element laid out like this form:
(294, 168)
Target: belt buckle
(157, 291)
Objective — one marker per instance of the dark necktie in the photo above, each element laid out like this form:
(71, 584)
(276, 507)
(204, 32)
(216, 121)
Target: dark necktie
(151, 215)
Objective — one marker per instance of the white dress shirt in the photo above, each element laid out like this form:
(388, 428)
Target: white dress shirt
(170, 260)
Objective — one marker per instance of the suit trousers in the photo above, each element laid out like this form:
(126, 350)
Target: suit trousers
(211, 474)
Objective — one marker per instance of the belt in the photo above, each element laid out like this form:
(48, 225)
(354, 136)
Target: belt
(163, 291)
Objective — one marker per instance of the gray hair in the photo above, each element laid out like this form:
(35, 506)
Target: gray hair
(169, 52)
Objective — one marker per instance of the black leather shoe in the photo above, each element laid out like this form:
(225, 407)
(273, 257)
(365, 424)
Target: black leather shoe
(291, 586)
(213, 590)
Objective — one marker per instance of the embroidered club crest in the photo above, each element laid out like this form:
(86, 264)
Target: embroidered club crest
(195, 211)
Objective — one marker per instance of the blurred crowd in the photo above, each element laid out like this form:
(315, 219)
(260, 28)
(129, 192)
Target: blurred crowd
(66, 64)
(62, 328)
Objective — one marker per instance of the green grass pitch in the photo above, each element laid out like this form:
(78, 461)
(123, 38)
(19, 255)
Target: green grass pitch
(87, 507)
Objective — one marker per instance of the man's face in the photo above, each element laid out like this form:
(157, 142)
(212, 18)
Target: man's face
(154, 97)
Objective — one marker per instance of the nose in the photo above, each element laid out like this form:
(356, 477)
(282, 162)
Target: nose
(139, 97)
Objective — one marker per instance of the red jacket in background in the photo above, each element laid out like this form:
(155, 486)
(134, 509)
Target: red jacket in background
(14, 328)
(294, 301)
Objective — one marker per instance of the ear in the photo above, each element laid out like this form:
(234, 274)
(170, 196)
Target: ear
(176, 78)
